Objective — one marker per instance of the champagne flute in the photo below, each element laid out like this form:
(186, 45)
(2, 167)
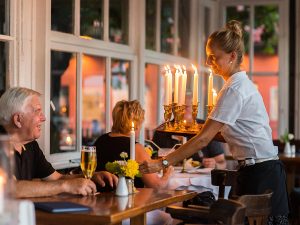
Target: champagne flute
(88, 161)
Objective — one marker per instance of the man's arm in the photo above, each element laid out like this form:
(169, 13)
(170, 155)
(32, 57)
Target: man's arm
(217, 162)
(53, 185)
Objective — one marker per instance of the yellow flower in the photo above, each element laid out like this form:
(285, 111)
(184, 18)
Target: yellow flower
(149, 150)
(131, 169)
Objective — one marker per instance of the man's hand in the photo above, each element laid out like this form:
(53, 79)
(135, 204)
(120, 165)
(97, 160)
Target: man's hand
(151, 166)
(102, 176)
(80, 186)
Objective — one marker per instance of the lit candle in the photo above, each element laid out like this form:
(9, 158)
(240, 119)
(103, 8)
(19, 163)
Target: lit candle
(214, 96)
(182, 86)
(1, 194)
(210, 89)
(132, 142)
(195, 86)
(176, 84)
(170, 85)
(167, 101)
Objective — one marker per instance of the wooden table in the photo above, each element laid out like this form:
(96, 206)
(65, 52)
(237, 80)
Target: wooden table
(110, 209)
(291, 163)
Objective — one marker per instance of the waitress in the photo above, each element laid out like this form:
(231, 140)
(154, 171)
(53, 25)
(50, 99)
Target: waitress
(241, 117)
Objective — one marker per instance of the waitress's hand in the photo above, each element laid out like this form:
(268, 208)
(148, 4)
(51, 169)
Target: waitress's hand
(209, 162)
(151, 166)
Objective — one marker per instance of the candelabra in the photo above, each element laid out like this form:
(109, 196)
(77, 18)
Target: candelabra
(167, 116)
(178, 116)
(194, 126)
(209, 109)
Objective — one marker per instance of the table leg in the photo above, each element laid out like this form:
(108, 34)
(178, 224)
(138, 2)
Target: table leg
(138, 220)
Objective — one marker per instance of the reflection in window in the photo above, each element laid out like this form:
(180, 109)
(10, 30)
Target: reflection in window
(184, 28)
(150, 24)
(63, 97)
(4, 17)
(266, 63)
(151, 99)
(91, 20)
(242, 14)
(93, 98)
(167, 26)
(118, 21)
(265, 67)
(62, 16)
(3, 55)
(120, 70)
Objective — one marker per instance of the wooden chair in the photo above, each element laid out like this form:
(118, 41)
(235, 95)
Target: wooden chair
(224, 178)
(258, 207)
(221, 212)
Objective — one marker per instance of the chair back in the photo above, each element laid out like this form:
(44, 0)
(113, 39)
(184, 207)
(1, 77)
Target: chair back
(228, 211)
(223, 211)
(223, 178)
(258, 207)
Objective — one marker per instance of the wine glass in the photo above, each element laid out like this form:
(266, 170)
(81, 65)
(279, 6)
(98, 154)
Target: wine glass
(88, 161)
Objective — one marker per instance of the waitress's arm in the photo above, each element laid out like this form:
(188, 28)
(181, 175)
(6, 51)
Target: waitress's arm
(207, 133)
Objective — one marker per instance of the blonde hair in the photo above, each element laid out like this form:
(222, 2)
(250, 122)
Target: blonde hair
(12, 101)
(230, 39)
(126, 112)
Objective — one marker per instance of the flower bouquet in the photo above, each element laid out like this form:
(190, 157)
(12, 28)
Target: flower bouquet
(286, 138)
(124, 168)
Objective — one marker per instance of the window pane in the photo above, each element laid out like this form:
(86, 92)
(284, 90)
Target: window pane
(93, 98)
(242, 14)
(150, 24)
(91, 20)
(184, 28)
(151, 99)
(62, 15)
(120, 70)
(63, 97)
(266, 65)
(3, 56)
(118, 21)
(167, 26)
(4, 17)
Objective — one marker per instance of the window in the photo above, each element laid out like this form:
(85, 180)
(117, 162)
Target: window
(118, 21)
(184, 28)
(167, 26)
(262, 55)
(62, 15)
(63, 97)
(91, 18)
(151, 24)
(3, 56)
(93, 96)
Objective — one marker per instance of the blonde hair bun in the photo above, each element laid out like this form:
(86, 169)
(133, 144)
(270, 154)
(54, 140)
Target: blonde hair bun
(235, 26)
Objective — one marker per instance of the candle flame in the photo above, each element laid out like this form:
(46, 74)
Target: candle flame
(194, 67)
(184, 121)
(210, 71)
(132, 125)
(214, 91)
(183, 66)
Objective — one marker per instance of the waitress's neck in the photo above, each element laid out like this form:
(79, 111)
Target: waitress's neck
(228, 75)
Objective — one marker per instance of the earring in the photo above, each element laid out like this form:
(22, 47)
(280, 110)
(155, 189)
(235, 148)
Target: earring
(230, 62)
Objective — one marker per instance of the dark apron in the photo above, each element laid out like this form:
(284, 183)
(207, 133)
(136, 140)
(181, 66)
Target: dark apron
(260, 177)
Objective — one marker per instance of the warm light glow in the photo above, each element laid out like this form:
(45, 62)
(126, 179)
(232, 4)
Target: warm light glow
(69, 140)
(132, 125)
(86, 37)
(194, 67)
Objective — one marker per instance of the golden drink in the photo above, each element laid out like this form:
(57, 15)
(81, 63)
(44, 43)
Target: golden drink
(88, 162)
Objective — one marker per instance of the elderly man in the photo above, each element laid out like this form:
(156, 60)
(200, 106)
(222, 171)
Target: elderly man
(21, 116)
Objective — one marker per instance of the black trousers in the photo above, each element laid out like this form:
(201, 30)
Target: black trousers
(258, 178)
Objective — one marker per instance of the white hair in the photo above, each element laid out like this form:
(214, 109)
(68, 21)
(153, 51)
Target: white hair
(12, 101)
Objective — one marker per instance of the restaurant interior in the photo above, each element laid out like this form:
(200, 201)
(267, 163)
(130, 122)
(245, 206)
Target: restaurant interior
(84, 56)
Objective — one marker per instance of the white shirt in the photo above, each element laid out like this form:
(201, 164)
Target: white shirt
(246, 123)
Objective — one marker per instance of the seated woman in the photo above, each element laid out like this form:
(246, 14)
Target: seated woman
(110, 145)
